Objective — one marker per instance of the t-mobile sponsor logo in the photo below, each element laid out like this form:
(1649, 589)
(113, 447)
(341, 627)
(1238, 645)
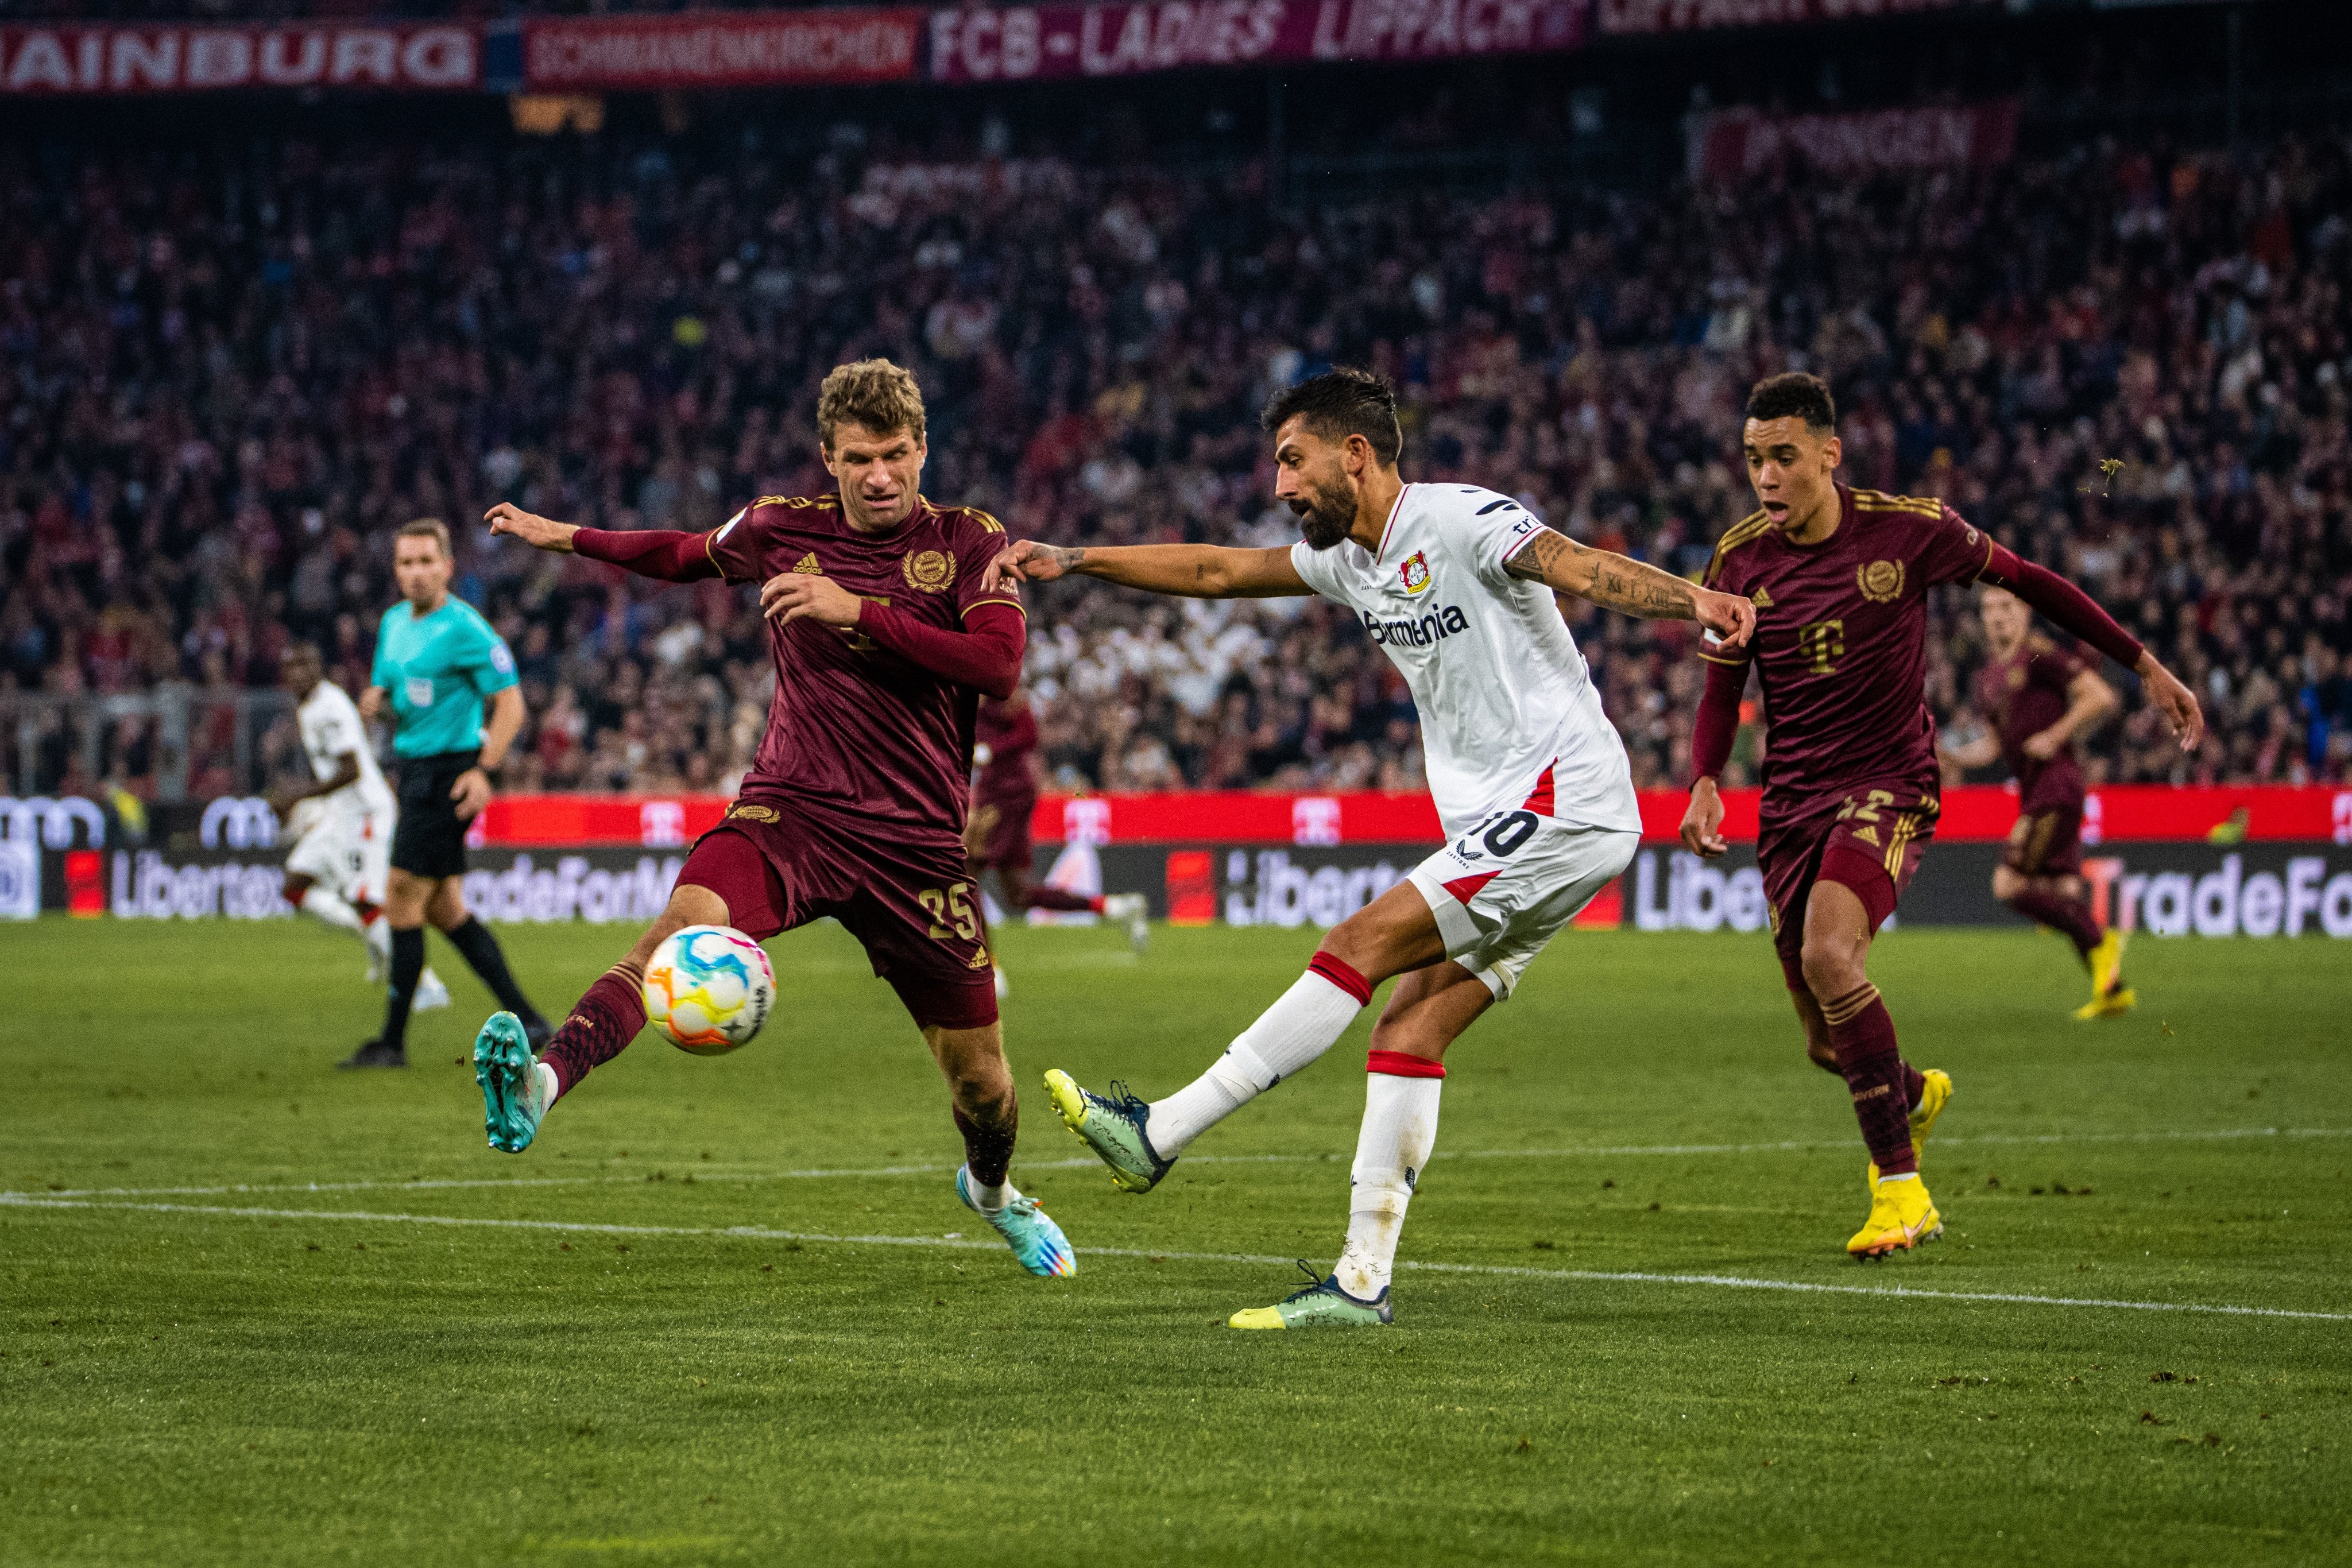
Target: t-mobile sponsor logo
(2229, 901)
(1285, 894)
(1695, 897)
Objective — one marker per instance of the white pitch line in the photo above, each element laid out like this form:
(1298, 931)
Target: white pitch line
(762, 1233)
(695, 1178)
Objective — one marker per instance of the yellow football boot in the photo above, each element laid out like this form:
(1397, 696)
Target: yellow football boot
(1902, 1216)
(2109, 999)
(1934, 1095)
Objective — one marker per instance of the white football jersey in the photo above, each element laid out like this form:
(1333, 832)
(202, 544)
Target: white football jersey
(1504, 694)
(330, 730)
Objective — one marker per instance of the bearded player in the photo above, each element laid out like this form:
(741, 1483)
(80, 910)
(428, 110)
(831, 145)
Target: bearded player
(1003, 799)
(884, 633)
(2041, 698)
(1839, 577)
(1530, 780)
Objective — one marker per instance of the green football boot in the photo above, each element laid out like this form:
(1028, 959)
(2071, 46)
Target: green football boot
(1112, 1126)
(514, 1096)
(1322, 1305)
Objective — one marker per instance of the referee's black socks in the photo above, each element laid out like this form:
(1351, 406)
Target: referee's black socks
(407, 965)
(480, 950)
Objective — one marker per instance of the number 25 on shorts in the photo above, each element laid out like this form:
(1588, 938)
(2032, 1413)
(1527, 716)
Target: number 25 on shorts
(950, 905)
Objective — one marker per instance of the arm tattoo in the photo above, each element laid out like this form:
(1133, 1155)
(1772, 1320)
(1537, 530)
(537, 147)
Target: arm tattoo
(1618, 583)
(1066, 557)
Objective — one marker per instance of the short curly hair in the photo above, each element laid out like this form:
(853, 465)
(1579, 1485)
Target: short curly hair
(874, 393)
(1339, 403)
(1797, 394)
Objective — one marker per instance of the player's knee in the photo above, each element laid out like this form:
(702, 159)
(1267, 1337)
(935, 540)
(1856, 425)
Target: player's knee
(1830, 968)
(2006, 883)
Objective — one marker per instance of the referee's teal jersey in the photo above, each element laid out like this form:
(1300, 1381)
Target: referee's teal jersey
(438, 668)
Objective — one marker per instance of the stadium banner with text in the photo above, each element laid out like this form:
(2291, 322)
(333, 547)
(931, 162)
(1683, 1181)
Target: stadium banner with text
(720, 49)
(1740, 143)
(1026, 43)
(1613, 17)
(153, 58)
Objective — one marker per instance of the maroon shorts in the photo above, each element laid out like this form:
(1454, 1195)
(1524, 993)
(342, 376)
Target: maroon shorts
(1004, 841)
(907, 897)
(1873, 838)
(2047, 840)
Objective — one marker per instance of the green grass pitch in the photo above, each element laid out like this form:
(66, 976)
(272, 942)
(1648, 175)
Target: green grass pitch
(256, 1312)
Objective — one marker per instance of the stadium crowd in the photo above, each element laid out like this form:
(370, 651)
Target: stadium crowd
(228, 377)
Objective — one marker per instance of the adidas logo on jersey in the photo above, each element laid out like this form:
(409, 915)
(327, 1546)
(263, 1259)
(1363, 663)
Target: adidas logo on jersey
(1438, 624)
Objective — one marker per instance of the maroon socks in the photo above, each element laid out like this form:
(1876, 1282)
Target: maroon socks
(1883, 1084)
(602, 1022)
(1043, 897)
(2070, 916)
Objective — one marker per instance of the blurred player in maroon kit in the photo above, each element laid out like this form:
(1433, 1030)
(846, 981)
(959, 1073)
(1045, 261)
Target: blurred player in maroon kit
(1839, 577)
(1003, 799)
(2040, 698)
(884, 633)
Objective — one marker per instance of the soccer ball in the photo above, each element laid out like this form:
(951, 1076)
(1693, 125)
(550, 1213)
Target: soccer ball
(708, 988)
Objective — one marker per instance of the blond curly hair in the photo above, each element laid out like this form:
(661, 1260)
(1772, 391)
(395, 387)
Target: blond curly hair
(873, 393)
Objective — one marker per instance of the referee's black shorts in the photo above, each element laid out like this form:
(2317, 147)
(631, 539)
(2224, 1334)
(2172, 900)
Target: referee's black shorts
(429, 840)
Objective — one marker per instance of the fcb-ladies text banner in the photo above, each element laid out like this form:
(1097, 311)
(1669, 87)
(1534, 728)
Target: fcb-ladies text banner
(720, 49)
(1025, 42)
(151, 59)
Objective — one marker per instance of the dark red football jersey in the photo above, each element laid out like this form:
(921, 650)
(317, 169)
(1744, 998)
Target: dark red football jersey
(1010, 736)
(854, 726)
(1841, 642)
(2024, 695)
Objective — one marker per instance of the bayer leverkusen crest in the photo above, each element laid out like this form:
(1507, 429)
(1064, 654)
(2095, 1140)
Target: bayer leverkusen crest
(1415, 572)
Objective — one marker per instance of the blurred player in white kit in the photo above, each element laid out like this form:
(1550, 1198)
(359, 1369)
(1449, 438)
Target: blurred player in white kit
(340, 824)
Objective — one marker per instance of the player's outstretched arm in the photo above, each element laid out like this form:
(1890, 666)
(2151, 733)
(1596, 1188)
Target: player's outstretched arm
(669, 554)
(1618, 582)
(2069, 607)
(1192, 571)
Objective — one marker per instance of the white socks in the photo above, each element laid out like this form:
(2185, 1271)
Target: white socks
(991, 1199)
(1304, 1024)
(323, 905)
(1400, 1129)
(545, 1086)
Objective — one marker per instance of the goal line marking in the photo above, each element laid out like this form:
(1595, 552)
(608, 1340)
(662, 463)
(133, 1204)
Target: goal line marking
(762, 1233)
(697, 1178)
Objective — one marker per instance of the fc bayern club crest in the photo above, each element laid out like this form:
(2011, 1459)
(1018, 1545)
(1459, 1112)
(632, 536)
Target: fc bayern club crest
(1415, 572)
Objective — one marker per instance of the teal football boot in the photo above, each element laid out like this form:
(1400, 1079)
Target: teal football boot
(1034, 1238)
(513, 1096)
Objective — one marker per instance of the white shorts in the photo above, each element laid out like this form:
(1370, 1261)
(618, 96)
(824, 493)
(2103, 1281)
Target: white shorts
(348, 853)
(1503, 890)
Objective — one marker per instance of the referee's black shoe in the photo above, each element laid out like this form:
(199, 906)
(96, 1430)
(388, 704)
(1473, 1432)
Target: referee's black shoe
(375, 1053)
(539, 1031)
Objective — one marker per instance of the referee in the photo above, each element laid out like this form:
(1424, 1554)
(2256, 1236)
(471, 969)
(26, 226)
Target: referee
(436, 662)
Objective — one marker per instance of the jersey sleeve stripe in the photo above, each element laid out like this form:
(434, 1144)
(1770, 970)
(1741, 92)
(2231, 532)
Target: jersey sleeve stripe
(1720, 659)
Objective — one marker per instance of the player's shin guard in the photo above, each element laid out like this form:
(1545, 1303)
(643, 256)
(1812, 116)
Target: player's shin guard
(407, 966)
(1400, 1130)
(1306, 1022)
(602, 1022)
(2068, 917)
(481, 952)
(1876, 1074)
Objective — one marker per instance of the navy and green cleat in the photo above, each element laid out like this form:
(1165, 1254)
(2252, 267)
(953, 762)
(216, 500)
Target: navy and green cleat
(512, 1097)
(1032, 1234)
(1322, 1305)
(1112, 1126)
